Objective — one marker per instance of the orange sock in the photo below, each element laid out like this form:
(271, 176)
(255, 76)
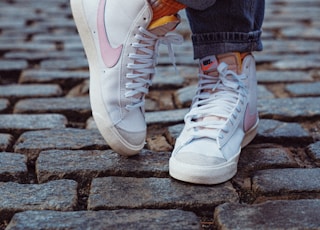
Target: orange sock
(163, 8)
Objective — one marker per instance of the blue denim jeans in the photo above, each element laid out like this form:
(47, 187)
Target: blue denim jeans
(221, 26)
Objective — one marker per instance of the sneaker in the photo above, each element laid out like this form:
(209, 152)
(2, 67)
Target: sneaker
(121, 46)
(223, 119)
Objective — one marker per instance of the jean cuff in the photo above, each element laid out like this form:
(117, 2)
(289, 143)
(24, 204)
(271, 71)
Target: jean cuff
(206, 44)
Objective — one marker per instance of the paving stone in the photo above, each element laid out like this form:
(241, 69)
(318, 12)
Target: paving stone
(79, 63)
(283, 76)
(74, 108)
(4, 105)
(117, 219)
(164, 117)
(264, 93)
(13, 167)
(173, 133)
(6, 141)
(15, 92)
(60, 195)
(301, 32)
(18, 123)
(289, 108)
(88, 164)
(294, 214)
(30, 46)
(282, 132)
(184, 96)
(33, 142)
(297, 64)
(314, 151)
(65, 78)
(164, 193)
(37, 55)
(304, 89)
(6, 65)
(255, 157)
(294, 47)
(285, 181)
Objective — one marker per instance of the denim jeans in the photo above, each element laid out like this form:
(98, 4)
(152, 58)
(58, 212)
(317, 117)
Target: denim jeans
(221, 26)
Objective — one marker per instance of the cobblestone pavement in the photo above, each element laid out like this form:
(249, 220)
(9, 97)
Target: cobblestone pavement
(56, 171)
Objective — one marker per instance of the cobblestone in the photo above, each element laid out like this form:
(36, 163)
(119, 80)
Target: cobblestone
(55, 195)
(286, 181)
(164, 193)
(119, 219)
(33, 142)
(13, 167)
(19, 123)
(15, 92)
(295, 214)
(6, 140)
(74, 108)
(88, 164)
(57, 172)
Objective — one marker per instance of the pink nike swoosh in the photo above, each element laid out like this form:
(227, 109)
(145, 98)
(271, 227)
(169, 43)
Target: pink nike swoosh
(109, 54)
(249, 119)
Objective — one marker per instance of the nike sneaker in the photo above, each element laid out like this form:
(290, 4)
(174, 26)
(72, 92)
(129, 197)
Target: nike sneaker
(223, 119)
(121, 39)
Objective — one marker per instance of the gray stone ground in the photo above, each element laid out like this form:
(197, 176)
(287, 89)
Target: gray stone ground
(56, 172)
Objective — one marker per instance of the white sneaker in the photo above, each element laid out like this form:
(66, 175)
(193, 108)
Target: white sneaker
(223, 119)
(121, 51)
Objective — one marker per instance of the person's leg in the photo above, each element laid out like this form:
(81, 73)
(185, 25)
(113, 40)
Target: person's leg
(224, 26)
(119, 38)
(223, 117)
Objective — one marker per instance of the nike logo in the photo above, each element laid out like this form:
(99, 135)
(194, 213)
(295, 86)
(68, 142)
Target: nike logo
(109, 54)
(250, 119)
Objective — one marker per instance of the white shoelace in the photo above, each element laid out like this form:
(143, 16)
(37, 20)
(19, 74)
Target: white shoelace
(143, 65)
(215, 104)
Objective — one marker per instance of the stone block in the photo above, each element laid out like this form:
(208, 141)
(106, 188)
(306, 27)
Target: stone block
(314, 151)
(4, 105)
(13, 167)
(18, 123)
(15, 91)
(6, 141)
(84, 165)
(74, 108)
(67, 79)
(99, 220)
(289, 108)
(164, 193)
(283, 214)
(304, 89)
(286, 181)
(58, 195)
(33, 142)
(282, 132)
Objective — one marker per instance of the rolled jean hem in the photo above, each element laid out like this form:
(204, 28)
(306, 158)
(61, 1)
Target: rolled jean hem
(223, 42)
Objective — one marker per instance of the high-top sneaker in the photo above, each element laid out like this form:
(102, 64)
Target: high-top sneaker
(223, 119)
(120, 39)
